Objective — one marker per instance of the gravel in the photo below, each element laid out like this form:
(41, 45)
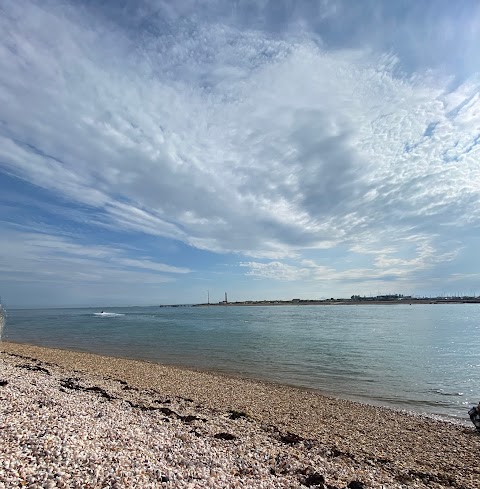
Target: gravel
(77, 420)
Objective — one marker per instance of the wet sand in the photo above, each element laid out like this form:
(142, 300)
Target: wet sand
(149, 425)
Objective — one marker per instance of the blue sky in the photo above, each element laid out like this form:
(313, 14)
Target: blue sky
(153, 150)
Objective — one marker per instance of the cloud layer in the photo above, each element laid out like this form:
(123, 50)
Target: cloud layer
(271, 140)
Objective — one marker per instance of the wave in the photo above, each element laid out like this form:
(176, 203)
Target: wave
(444, 393)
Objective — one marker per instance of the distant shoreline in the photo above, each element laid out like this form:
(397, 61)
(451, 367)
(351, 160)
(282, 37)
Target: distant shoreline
(334, 302)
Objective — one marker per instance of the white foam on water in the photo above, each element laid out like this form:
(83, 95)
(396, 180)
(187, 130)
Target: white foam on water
(107, 314)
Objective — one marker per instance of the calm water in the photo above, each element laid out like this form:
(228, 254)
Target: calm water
(423, 358)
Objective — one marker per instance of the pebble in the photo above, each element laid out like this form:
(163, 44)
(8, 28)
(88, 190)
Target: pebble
(52, 436)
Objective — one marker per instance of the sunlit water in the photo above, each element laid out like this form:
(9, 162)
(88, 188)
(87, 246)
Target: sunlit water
(423, 358)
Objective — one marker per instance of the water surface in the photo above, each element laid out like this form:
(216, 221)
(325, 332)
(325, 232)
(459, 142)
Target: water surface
(423, 358)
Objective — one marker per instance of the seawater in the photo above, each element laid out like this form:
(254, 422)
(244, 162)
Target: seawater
(423, 358)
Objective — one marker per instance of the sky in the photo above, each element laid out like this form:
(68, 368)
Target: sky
(160, 152)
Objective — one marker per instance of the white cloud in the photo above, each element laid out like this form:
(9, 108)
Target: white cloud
(235, 139)
(406, 262)
(29, 256)
(275, 270)
(150, 265)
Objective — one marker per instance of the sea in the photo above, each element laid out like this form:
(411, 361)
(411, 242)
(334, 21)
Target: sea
(423, 358)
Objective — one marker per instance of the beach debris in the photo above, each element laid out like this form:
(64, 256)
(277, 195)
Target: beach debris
(290, 438)
(314, 479)
(162, 401)
(430, 477)
(238, 415)
(167, 411)
(34, 368)
(125, 385)
(142, 407)
(3, 382)
(190, 418)
(355, 485)
(72, 384)
(225, 436)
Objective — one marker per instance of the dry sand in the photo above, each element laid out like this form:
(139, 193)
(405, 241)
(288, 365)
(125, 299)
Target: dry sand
(71, 419)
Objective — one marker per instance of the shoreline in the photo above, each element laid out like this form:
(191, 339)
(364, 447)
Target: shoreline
(372, 445)
(222, 374)
(233, 375)
(334, 302)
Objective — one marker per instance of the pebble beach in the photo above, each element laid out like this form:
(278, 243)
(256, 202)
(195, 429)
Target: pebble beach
(78, 420)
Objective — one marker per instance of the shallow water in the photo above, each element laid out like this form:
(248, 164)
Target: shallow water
(422, 358)
(2, 321)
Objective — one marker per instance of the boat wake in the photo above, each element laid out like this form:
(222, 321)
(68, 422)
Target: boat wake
(107, 314)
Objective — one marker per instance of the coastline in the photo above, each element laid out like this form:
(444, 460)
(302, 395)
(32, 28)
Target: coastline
(341, 441)
(331, 302)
